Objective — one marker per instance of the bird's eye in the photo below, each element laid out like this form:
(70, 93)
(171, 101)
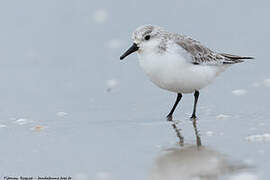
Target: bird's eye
(147, 37)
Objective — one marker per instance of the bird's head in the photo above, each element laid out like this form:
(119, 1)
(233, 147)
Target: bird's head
(145, 38)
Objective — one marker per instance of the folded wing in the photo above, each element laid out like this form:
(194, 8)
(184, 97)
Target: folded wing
(203, 55)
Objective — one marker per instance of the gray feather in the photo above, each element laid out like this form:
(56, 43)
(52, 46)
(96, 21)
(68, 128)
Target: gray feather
(203, 55)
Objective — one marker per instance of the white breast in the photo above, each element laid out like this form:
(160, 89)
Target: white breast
(173, 71)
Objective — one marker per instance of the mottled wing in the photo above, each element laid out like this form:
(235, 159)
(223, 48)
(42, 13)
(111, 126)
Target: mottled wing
(199, 53)
(203, 55)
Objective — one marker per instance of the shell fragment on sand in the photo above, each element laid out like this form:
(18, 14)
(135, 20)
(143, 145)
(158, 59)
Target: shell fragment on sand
(222, 116)
(61, 114)
(209, 133)
(22, 121)
(239, 92)
(259, 138)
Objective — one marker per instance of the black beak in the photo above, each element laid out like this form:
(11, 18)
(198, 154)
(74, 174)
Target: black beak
(132, 49)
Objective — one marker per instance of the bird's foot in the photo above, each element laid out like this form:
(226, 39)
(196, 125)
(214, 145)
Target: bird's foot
(193, 117)
(169, 117)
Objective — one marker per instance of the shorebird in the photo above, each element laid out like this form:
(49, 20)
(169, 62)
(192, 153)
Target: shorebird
(178, 63)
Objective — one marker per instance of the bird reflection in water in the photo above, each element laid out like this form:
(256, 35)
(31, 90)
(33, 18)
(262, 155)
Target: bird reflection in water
(181, 138)
(192, 161)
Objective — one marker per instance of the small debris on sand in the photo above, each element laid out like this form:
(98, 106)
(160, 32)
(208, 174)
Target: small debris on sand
(222, 116)
(2, 126)
(38, 128)
(61, 114)
(22, 121)
(209, 133)
(259, 137)
(111, 84)
(239, 92)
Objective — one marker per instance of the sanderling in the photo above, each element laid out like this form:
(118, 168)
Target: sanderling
(178, 63)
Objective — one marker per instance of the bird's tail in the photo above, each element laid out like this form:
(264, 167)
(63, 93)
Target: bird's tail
(232, 59)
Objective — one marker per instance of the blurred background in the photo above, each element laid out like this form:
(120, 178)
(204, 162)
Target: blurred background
(69, 107)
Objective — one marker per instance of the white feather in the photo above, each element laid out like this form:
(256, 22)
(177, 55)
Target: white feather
(172, 70)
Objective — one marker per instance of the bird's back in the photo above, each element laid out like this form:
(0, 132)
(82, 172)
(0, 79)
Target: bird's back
(202, 55)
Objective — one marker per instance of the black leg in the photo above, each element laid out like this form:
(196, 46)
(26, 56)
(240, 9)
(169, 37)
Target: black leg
(169, 116)
(196, 97)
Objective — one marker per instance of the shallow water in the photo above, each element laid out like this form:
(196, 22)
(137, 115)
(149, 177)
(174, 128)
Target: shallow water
(70, 108)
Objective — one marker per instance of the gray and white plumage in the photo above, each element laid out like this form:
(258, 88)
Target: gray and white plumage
(199, 53)
(178, 63)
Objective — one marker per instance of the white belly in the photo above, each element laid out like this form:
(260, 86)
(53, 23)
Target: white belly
(173, 72)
